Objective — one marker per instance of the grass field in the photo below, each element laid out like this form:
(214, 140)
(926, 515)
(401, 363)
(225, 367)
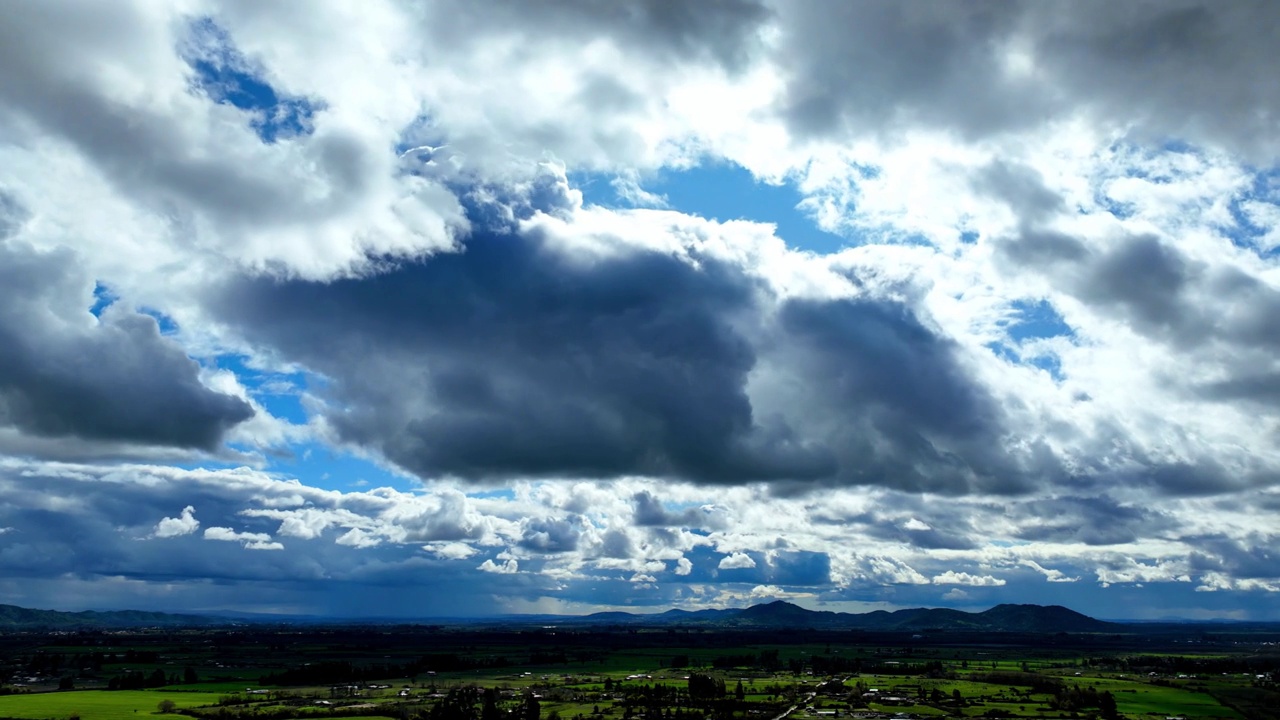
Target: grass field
(97, 704)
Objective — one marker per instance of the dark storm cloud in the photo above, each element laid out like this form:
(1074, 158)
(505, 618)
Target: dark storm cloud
(894, 403)
(510, 359)
(515, 357)
(724, 31)
(793, 568)
(1185, 69)
(550, 535)
(1146, 280)
(1022, 188)
(65, 374)
(930, 538)
(1254, 557)
(651, 513)
(862, 66)
(1096, 520)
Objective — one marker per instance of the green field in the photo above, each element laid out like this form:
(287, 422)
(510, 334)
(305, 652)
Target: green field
(97, 704)
(615, 674)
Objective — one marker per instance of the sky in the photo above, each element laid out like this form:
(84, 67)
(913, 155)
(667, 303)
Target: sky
(443, 308)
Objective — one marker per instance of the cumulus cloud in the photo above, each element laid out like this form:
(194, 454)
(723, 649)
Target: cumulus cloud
(65, 373)
(507, 567)
(952, 577)
(737, 561)
(184, 524)
(1050, 574)
(250, 540)
(451, 550)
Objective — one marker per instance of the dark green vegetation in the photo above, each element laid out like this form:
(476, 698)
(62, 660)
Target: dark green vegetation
(739, 668)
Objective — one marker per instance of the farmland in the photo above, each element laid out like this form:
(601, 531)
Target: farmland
(632, 673)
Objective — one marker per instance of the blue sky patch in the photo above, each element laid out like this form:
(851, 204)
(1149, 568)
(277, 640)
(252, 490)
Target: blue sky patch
(102, 299)
(228, 78)
(279, 393)
(1035, 320)
(1243, 231)
(330, 468)
(168, 326)
(725, 192)
(1029, 322)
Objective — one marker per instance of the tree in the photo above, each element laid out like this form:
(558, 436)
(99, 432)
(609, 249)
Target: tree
(489, 711)
(189, 675)
(956, 697)
(1107, 706)
(530, 709)
(704, 687)
(739, 693)
(67, 683)
(167, 706)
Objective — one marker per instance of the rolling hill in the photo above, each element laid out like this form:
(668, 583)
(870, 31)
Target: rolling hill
(782, 614)
(13, 617)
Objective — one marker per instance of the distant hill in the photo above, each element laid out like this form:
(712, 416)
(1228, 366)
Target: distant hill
(772, 615)
(782, 614)
(13, 617)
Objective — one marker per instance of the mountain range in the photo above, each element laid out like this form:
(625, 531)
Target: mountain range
(782, 614)
(773, 615)
(13, 617)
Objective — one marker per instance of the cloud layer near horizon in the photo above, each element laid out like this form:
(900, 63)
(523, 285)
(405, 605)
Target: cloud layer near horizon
(244, 235)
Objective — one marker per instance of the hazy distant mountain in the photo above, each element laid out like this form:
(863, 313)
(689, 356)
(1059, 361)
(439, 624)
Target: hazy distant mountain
(13, 617)
(782, 614)
(773, 615)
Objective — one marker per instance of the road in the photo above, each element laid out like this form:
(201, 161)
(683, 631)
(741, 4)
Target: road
(792, 709)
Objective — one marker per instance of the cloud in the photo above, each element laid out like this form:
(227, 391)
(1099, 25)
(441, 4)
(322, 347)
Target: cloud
(115, 378)
(952, 577)
(184, 524)
(930, 427)
(251, 540)
(984, 70)
(473, 343)
(1050, 574)
(451, 550)
(737, 561)
(245, 198)
(506, 568)
(357, 538)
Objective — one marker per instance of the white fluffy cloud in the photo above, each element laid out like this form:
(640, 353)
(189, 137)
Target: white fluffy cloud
(952, 577)
(737, 561)
(184, 524)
